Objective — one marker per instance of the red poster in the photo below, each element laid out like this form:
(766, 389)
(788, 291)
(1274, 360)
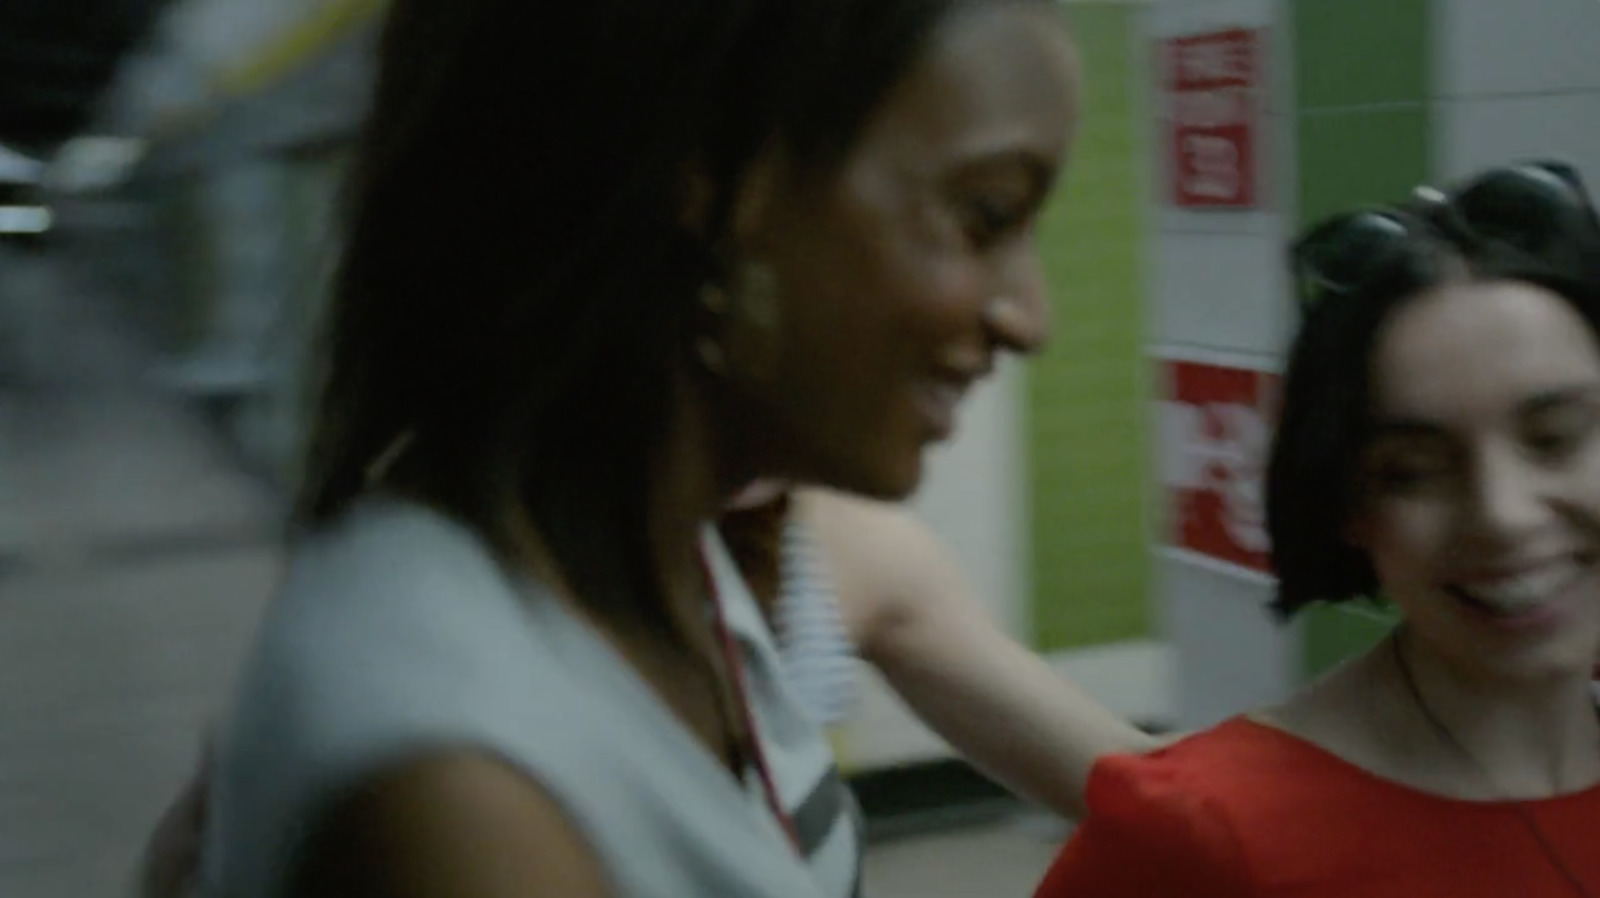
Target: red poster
(1216, 427)
(1212, 83)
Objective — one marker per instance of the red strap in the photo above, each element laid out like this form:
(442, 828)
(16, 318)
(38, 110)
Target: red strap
(730, 657)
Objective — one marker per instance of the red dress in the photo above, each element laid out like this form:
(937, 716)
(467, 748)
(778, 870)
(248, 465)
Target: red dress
(1246, 810)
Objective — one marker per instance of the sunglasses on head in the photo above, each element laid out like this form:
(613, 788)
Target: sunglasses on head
(1537, 210)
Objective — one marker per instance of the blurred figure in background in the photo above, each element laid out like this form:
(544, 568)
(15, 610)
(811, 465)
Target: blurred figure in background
(763, 240)
(1440, 447)
(57, 59)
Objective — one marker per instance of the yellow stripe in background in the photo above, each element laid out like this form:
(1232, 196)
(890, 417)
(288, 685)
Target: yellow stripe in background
(296, 46)
(264, 66)
(841, 749)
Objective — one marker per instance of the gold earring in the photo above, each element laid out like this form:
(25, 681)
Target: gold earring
(756, 289)
(716, 303)
(743, 313)
(711, 355)
(714, 299)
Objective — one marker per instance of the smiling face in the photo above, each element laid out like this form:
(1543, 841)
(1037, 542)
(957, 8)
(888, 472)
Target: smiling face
(1481, 481)
(908, 269)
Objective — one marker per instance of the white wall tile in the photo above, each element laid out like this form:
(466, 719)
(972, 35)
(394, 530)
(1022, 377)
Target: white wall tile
(1221, 291)
(975, 496)
(1173, 17)
(1475, 134)
(1262, 223)
(1229, 654)
(1219, 285)
(1503, 47)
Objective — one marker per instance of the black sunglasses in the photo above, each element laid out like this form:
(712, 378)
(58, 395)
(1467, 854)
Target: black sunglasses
(1539, 210)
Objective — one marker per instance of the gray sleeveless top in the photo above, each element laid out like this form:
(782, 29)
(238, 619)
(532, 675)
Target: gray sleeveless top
(826, 819)
(396, 633)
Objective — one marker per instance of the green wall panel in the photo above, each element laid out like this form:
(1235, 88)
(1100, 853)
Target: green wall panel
(1337, 632)
(1360, 156)
(1364, 132)
(1088, 394)
(1361, 52)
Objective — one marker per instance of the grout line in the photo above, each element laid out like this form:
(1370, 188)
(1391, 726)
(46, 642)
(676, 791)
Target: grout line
(1519, 94)
(1211, 354)
(1360, 108)
(1221, 230)
(1217, 566)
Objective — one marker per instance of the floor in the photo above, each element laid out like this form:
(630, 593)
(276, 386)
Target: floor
(997, 861)
(133, 562)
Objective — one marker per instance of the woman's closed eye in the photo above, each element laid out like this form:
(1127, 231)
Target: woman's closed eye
(988, 220)
(1408, 467)
(1408, 477)
(1555, 434)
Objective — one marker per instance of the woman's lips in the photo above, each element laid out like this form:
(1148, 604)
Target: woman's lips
(939, 400)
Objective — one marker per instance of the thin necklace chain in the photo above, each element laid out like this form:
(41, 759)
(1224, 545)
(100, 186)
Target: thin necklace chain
(1448, 736)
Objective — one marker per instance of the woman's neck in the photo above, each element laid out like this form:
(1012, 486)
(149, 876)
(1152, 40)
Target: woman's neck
(1465, 739)
(690, 487)
(1507, 738)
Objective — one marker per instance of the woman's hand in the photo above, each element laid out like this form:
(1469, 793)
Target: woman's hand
(172, 856)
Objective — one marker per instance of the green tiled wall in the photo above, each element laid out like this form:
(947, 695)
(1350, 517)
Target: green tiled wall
(1356, 156)
(1088, 394)
(1360, 52)
(1363, 129)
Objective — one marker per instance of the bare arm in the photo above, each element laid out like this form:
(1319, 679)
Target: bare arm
(457, 826)
(915, 618)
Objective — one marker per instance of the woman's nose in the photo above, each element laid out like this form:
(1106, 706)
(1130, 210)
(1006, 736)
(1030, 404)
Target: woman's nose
(1018, 316)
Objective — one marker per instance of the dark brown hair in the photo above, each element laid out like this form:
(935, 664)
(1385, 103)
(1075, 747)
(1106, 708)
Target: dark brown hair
(754, 537)
(516, 288)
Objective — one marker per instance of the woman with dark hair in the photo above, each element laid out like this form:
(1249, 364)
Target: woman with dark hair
(1439, 447)
(607, 263)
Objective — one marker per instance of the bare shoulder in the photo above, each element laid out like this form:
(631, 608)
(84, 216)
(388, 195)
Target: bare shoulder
(455, 825)
(883, 559)
(1334, 711)
(872, 538)
(833, 510)
(1339, 716)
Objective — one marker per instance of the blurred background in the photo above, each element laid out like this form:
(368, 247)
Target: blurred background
(168, 170)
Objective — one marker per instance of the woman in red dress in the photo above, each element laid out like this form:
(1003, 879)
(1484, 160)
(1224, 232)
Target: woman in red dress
(1440, 447)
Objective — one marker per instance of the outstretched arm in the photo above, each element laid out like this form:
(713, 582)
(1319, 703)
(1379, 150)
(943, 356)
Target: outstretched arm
(915, 617)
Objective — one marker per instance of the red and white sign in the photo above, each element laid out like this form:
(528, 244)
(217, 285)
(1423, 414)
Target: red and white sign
(1212, 83)
(1216, 426)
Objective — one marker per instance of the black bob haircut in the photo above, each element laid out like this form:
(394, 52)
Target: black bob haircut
(1312, 487)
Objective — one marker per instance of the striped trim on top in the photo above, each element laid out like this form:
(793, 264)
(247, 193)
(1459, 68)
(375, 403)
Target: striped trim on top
(819, 659)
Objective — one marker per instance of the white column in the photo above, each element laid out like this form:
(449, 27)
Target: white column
(1218, 296)
(1516, 81)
